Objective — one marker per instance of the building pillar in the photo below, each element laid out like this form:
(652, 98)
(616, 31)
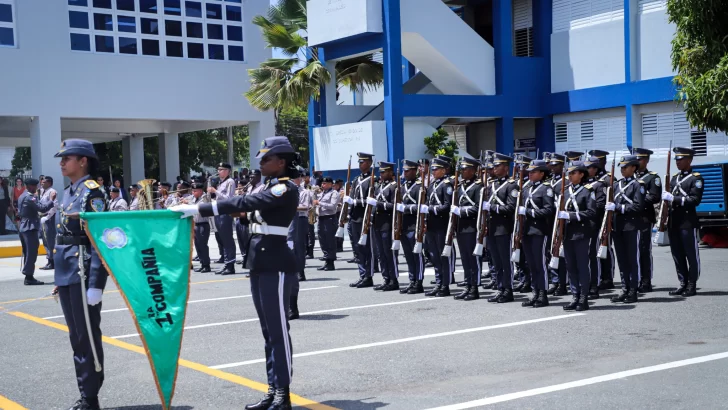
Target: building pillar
(392, 52)
(168, 157)
(230, 150)
(504, 135)
(545, 134)
(45, 141)
(502, 42)
(259, 131)
(133, 158)
(634, 127)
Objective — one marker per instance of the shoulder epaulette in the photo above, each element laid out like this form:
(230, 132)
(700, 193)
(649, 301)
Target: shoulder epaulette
(697, 174)
(641, 181)
(676, 174)
(547, 183)
(91, 184)
(653, 173)
(511, 180)
(478, 181)
(588, 186)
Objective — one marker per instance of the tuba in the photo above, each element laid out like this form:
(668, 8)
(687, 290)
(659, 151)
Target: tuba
(146, 195)
(313, 210)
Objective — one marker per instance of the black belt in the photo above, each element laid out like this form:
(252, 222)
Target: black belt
(72, 240)
(326, 216)
(202, 223)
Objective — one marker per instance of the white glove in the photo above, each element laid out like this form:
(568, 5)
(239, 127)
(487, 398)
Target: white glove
(371, 201)
(348, 200)
(93, 296)
(187, 210)
(43, 219)
(455, 210)
(521, 210)
(400, 207)
(424, 209)
(610, 206)
(486, 206)
(290, 244)
(666, 196)
(563, 215)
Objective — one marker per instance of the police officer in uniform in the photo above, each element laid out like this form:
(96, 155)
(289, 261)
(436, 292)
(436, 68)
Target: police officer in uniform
(300, 231)
(501, 207)
(28, 209)
(48, 223)
(271, 262)
(558, 276)
(629, 208)
(78, 163)
(338, 184)
(439, 199)
(383, 205)
(538, 210)
(607, 265)
(224, 222)
(357, 206)
(599, 187)
(487, 258)
(410, 196)
(202, 230)
(686, 194)
(579, 213)
(523, 273)
(653, 196)
(326, 205)
(467, 227)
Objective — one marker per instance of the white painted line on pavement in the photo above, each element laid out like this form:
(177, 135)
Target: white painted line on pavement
(409, 339)
(316, 312)
(583, 382)
(199, 301)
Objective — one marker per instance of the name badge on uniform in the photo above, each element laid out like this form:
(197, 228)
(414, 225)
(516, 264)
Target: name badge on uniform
(279, 190)
(449, 190)
(514, 193)
(642, 190)
(657, 181)
(549, 192)
(698, 184)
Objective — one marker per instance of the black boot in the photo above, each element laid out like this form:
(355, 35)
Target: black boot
(462, 284)
(227, 270)
(531, 301)
(561, 290)
(382, 285)
(417, 288)
(679, 291)
(542, 300)
(506, 296)
(391, 285)
(221, 260)
(525, 287)
(353, 260)
(443, 292)
(329, 266)
(265, 402)
(293, 313)
(473, 294)
(31, 281)
(518, 287)
(405, 290)
(301, 276)
(367, 282)
(433, 292)
(583, 303)
(281, 399)
(495, 297)
(552, 288)
(606, 284)
(48, 266)
(691, 290)
(573, 304)
(461, 296)
(631, 296)
(86, 403)
(646, 285)
(593, 293)
(203, 269)
(355, 284)
(621, 297)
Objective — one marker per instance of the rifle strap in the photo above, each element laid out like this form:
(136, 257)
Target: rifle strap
(494, 193)
(678, 185)
(621, 191)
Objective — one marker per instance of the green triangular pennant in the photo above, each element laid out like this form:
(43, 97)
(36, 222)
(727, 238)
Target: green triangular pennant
(148, 255)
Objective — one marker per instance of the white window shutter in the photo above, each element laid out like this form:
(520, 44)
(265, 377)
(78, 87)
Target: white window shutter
(681, 127)
(522, 14)
(574, 130)
(650, 138)
(717, 142)
(560, 13)
(647, 6)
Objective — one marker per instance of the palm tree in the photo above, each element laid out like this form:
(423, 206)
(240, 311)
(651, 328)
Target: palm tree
(290, 82)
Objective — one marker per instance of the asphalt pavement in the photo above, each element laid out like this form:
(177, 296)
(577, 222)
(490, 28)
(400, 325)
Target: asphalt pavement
(363, 349)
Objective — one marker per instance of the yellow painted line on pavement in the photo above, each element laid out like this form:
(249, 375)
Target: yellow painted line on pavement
(116, 291)
(233, 378)
(7, 404)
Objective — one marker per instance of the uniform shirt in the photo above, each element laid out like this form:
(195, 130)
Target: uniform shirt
(600, 189)
(28, 208)
(328, 202)
(134, 204)
(359, 192)
(580, 203)
(469, 202)
(170, 201)
(410, 198)
(538, 199)
(305, 200)
(46, 197)
(118, 204)
(384, 193)
(503, 196)
(653, 194)
(199, 218)
(77, 198)
(439, 199)
(687, 187)
(629, 201)
(226, 189)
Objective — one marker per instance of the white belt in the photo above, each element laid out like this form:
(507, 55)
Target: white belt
(265, 229)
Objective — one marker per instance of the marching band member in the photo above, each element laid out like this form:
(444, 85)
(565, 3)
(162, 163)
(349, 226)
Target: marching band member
(117, 203)
(326, 206)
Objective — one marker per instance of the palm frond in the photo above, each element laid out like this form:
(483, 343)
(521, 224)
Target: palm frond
(289, 13)
(360, 73)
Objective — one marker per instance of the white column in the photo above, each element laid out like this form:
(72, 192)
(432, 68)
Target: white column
(45, 141)
(133, 156)
(168, 157)
(259, 131)
(231, 152)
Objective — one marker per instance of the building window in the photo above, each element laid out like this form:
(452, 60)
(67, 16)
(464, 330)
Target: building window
(132, 27)
(7, 24)
(609, 134)
(523, 28)
(574, 14)
(699, 142)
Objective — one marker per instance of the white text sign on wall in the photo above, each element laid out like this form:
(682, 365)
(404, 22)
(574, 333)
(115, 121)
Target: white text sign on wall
(334, 144)
(330, 20)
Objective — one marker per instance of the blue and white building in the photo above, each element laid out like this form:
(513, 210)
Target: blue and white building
(110, 70)
(509, 75)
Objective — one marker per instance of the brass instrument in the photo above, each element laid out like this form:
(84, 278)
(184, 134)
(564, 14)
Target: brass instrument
(145, 195)
(206, 199)
(313, 210)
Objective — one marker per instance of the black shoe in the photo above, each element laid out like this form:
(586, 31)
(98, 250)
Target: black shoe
(31, 281)
(593, 293)
(405, 290)
(606, 284)
(506, 297)
(679, 291)
(265, 402)
(461, 296)
(552, 288)
(322, 259)
(631, 296)
(228, 270)
(645, 286)
(366, 283)
(583, 303)
(542, 300)
(691, 290)
(203, 269)
(531, 301)
(473, 294)
(221, 260)
(355, 284)
(86, 404)
(240, 262)
(329, 266)
(382, 285)
(301, 276)
(433, 291)
(526, 288)
(309, 256)
(561, 290)
(353, 260)
(76, 405)
(392, 285)
(293, 314)
(429, 265)
(518, 287)
(281, 400)
(443, 291)
(495, 297)
(573, 304)
(462, 284)
(621, 297)
(196, 259)
(322, 267)
(417, 288)
(48, 266)
(433, 282)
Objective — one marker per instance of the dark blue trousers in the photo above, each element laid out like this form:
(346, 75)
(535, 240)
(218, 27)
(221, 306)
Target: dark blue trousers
(299, 241)
(576, 253)
(471, 265)
(626, 244)
(242, 231)
(225, 229)
(500, 251)
(646, 253)
(202, 236)
(327, 226)
(684, 248)
(435, 244)
(89, 381)
(271, 295)
(49, 238)
(388, 259)
(29, 243)
(415, 261)
(311, 237)
(595, 264)
(606, 270)
(533, 247)
(362, 252)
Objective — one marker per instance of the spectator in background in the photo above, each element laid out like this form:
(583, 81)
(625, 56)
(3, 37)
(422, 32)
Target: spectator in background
(119, 183)
(17, 191)
(4, 204)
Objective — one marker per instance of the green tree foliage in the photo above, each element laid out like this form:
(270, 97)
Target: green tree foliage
(21, 161)
(439, 143)
(293, 123)
(700, 57)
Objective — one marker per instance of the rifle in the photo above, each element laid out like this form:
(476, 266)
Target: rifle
(606, 228)
(482, 216)
(421, 226)
(660, 238)
(367, 212)
(558, 234)
(452, 224)
(344, 216)
(518, 224)
(396, 215)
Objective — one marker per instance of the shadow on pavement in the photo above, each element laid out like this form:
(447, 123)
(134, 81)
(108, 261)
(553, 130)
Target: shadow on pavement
(662, 300)
(612, 307)
(355, 404)
(308, 279)
(149, 407)
(322, 317)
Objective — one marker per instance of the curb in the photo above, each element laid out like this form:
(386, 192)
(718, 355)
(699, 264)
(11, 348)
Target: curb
(17, 251)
